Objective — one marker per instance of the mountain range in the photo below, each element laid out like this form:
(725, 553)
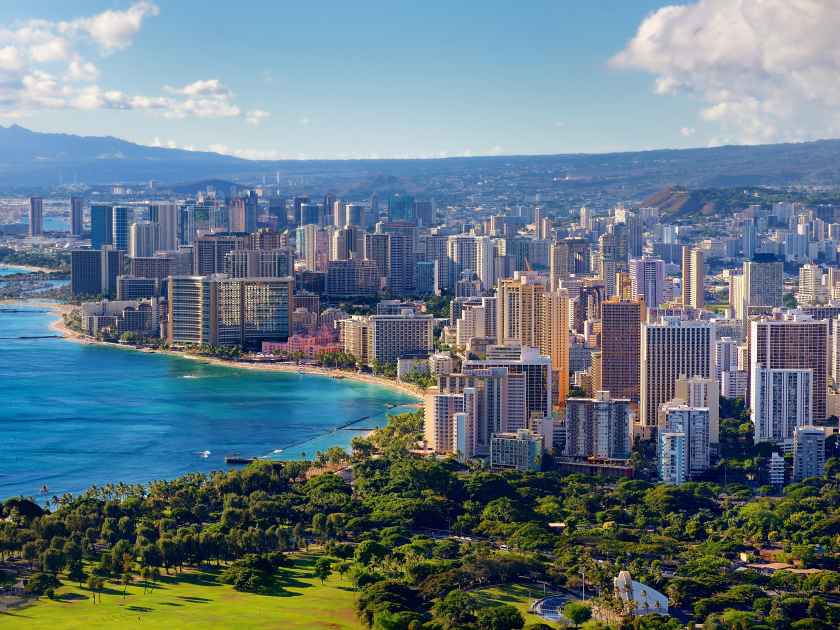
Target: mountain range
(32, 159)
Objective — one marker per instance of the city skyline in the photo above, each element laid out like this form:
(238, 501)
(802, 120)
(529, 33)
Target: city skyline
(276, 82)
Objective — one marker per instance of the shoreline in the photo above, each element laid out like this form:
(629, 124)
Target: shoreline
(27, 268)
(307, 370)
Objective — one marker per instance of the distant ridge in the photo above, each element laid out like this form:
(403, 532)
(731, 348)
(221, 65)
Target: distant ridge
(29, 158)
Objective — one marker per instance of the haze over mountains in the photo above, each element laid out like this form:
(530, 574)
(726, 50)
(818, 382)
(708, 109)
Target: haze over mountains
(33, 159)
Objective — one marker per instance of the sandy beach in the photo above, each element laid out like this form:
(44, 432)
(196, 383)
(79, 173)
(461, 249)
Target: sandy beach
(71, 335)
(28, 268)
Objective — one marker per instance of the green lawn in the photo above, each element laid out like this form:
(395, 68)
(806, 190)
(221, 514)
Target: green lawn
(519, 596)
(196, 599)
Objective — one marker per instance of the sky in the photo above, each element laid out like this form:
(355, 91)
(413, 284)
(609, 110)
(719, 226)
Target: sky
(272, 79)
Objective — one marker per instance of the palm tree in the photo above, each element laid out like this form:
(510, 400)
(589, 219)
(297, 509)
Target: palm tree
(126, 579)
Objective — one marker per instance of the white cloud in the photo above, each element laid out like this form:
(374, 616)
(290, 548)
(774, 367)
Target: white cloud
(256, 116)
(11, 60)
(83, 71)
(765, 69)
(42, 65)
(207, 88)
(112, 30)
(247, 154)
(687, 131)
(54, 49)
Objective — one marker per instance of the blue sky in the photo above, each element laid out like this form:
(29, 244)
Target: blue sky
(368, 78)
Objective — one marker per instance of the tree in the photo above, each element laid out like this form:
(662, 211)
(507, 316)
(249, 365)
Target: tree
(323, 568)
(455, 609)
(76, 572)
(503, 617)
(52, 561)
(577, 612)
(41, 583)
(368, 551)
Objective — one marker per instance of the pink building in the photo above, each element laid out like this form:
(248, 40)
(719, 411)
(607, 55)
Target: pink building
(309, 346)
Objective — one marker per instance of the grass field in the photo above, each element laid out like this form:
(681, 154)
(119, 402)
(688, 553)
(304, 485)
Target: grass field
(196, 599)
(517, 595)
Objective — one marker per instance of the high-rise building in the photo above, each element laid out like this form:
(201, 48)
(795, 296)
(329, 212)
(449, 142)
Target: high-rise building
(808, 452)
(353, 335)
(553, 337)
(615, 368)
(568, 257)
(440, 424)
(85, 272)
(424, 211)
(477, 319)
(598, 427)
(466, 252)
(763, 281)
(726, 355)
(259, 263)
(101, 225)
(120, 226)
(217, 310)
(425, 278)
(193, 308)
(647, 280)
(187, 226)
(536, 369)
(354, 214)
(394, 336)
(672, 452)
(401, 208)
(699, 392)
(94, 272)
(811, 289)
(143, 239)
(401, 260)
(310, 214)
(683, 444)
(793, 342)
(749, 240)
(253, 310)
(516, 451)
(693, 277)
(243, 214)
(342, 245)
(609, 263)
(518, 303)
(780, 401)
(133, 288)
(671, 349)
(376, 250)
(36, 216)
(268, 239)
(77, 226)
(500, 396)
(166, 216)
(351, 278)
(277, 212)
(211, 249)
(434, 248)
(313, 246)
(386, 338)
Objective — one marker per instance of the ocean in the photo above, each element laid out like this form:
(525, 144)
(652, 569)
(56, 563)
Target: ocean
(73, 415)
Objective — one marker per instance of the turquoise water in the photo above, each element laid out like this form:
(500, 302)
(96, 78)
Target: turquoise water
(10, 271)
(73, 415)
